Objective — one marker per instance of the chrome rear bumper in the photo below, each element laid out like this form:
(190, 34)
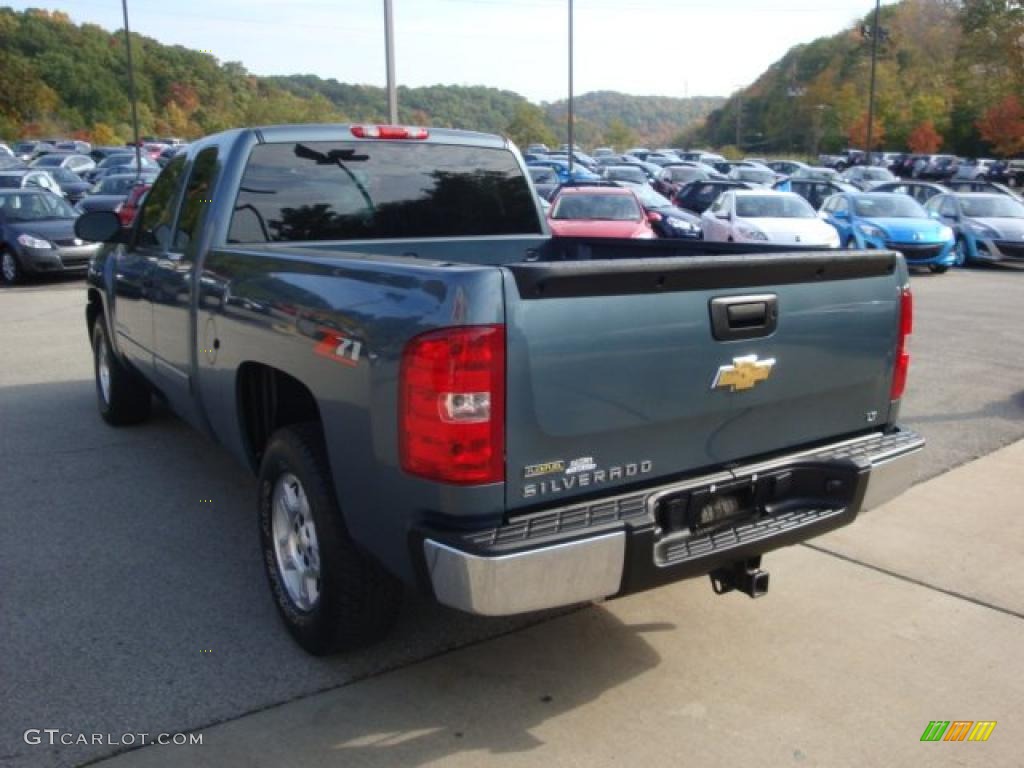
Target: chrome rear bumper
(553, 559)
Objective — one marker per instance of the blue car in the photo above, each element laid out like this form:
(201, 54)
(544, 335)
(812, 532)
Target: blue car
(988, 227)
(561, 167)
(891, 220)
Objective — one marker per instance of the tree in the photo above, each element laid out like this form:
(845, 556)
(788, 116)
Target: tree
(528, 127)
(618, 134)
(1002, 126)
(858, 133)
(924, 139)
(103, 135)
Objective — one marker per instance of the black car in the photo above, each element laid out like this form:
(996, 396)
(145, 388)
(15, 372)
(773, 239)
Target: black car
(814, 191)
(120, 163)
(922, 191)
(71, 184)
(625, 172)
(112, 191)
(671, 221)
(697, 196)
(37, 235)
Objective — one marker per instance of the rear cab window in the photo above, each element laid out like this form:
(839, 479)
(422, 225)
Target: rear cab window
(337, 190)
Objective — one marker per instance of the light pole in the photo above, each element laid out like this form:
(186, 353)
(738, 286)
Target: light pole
(871, 90)
(570, 132)
(389, 47)
(131, 90)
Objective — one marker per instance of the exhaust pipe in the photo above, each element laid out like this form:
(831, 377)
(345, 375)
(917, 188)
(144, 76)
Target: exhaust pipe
(743, 575)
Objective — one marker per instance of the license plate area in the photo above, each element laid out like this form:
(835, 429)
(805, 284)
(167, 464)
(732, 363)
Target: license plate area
(703, 511)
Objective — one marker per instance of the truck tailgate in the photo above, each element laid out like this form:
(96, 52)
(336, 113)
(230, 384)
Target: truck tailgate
(616, 377)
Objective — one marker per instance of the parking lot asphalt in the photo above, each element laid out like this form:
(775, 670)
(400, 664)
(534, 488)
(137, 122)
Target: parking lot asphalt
(126, 603)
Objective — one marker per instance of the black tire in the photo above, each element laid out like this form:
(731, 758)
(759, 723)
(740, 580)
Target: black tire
(938, 269)
(358, 599)
(11, 271)
(126, 398)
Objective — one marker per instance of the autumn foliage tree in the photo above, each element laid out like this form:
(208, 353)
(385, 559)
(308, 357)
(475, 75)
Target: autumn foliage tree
(1002, 126)
(924, 139)
(858, 133)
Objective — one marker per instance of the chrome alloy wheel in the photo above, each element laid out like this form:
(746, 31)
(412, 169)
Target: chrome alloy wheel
(103, 368)
(295, 542)
(9, 267)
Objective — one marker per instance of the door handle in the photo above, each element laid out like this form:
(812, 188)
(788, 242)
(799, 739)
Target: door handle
(744, 317)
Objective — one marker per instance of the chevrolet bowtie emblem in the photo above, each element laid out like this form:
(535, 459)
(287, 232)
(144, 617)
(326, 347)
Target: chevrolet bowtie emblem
(744, 373)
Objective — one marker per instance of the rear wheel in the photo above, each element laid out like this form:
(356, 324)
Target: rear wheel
(332, 595)
(10, 269)
(122, 396)
(938, 269)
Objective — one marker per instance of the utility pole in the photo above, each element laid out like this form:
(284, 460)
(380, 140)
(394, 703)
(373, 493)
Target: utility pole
(571, 132)
(871, 92)
(389, 47)
(739, 117)
(131, 90)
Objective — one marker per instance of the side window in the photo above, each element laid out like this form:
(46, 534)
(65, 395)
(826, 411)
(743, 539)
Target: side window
(197, 198)
(157, 213)
(949, 208)
(840, 205)
(719, 204)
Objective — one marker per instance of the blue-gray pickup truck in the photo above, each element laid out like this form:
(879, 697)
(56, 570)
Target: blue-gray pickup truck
(435, 392)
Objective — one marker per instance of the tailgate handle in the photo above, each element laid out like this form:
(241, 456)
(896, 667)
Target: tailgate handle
(744, 317)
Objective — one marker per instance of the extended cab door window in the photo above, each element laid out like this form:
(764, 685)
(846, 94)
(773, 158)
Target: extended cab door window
(157, 215)
(197, 199)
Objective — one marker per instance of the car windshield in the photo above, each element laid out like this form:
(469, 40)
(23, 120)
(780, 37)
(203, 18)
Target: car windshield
(754, 174)
(994, 207)
(603, 207)
(63, 175)
(123, 159)
(34, 206)
(773, 207)
(115, 185)
(820, 174)
(685, 173)
(48, 161)
(877, 174)
(626, 173)
(543, 176)
(889, 206)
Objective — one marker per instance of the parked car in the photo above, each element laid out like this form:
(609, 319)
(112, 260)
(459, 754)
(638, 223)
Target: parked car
(37, 235)
(817, 173)
(110, 192)
(640, 153)
(502, 427)
(814, 191)
(75, 163)
(671, 179)
(129, 209)
(787, 167)
(865, 177)
(988, 227)
(762, 176)
(100, 154)
(561, 167)
(697, 196)
(74, 146)
(922, 191)
(598, 212)
(29, 150)
(5, 151)
(72, 186)
(30, 178)
(936, 167)
(538, 149)
(123, 163)
(1015, 172)
(766, 216)
(971, 170)
(602, 152)
(668, 220)
(170, 152)
(991, 187)
(895, 221)
(545, 180)
(578, 158)
(633, 173)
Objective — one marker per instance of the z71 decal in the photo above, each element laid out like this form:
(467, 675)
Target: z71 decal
(336, 347)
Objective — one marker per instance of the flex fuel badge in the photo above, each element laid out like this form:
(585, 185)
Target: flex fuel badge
(580, 473)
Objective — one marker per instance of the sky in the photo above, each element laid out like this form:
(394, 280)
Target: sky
(643, 47)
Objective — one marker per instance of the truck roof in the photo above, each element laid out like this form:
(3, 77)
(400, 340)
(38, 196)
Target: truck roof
(343, 132)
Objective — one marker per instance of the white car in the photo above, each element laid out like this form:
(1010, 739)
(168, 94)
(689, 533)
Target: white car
(766, 216)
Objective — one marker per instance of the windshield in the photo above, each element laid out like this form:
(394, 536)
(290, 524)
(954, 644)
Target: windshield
(994, 207)
(820, 174)
(64, 176)
(603, 207)
(47, 161)
(877, 174)
(755, 175)
(685, 173)
(889, 206)
(115, 185)
(543, 176)
(24, 146)
(626, 174)
(34, 206)
(124, 159)
(773, 207)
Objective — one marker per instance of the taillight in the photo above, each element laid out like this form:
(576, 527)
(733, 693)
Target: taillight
(452, 405)
(388, 132)
(899, 376)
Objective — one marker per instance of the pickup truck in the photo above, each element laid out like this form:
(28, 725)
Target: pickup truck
(434, 392)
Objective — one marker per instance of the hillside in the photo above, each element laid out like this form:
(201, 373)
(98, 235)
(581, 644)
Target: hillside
(60, 78)
(950, 75)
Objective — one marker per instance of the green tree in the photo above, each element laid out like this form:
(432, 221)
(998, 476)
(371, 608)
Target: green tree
(527, 126)
(618, 134)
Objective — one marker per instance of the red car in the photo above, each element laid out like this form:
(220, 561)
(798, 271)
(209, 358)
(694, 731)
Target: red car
(126, 211)
(598, 212)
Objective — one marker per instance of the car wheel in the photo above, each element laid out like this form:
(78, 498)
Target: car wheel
(332, 596)
(10, 269)
(938, 269)
(121, 394)
(960, 249)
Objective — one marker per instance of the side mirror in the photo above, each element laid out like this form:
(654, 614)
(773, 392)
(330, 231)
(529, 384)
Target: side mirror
(99, 227)
(722, 215)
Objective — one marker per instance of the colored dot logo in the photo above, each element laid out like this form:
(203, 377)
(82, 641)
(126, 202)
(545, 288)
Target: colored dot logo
(206, 650)
(206, 501)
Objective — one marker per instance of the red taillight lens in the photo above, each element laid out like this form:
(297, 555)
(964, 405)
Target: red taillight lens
(388, 132)
(452, 405)
(899, 376)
